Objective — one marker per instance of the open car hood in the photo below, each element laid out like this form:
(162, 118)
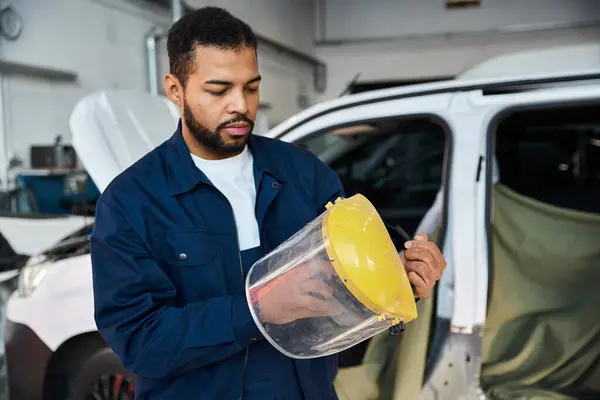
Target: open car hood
(112, 129)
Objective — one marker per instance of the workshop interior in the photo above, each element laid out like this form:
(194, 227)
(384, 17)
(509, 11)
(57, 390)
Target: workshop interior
(476, 122)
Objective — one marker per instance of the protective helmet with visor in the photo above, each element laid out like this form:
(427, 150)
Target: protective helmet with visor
(341, 279)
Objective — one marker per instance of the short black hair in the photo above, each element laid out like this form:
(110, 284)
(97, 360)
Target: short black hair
(206, 26)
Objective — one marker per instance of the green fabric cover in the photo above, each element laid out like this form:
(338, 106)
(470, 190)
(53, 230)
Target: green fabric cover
(542, 335)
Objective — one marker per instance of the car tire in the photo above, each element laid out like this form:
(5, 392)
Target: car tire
(103, 376)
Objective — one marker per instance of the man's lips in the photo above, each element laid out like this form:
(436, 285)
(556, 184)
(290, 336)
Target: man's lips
(237, 129)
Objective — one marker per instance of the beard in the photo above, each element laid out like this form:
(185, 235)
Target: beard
(213, 140)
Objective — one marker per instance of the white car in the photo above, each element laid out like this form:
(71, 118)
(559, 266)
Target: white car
(50, 331)
(24, 233)
(398, 147)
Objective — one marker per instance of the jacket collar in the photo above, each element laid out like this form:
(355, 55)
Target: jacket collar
(183, 175)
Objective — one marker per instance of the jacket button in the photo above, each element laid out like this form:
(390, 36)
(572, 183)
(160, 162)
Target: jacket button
(274, 185)
(183, 256)
(251, 340)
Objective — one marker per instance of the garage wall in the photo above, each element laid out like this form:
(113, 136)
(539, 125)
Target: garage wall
(103, 43)
(404, 39)
(384, 18)
(287, 21)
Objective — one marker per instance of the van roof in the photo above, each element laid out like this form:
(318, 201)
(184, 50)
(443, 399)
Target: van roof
(497, 84)
(561, 64)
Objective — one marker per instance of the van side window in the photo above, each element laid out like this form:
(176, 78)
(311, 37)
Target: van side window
(396, 164)
(552, 155)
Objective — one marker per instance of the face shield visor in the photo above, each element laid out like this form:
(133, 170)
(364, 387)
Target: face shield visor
(335, 283)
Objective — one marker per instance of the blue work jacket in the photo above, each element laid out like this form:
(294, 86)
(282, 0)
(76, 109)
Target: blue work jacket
(168, 276)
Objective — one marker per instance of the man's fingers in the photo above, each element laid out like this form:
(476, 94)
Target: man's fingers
(324, 307)
(421, 236)
(316, 301)
(422, 270)
(417, 254)
(430, 247)
(319, 288)
(319, 308)
(428, 266)
(423, 263)
(421, 288)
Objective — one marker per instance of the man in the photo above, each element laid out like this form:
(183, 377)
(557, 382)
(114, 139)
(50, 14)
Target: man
(177, 232)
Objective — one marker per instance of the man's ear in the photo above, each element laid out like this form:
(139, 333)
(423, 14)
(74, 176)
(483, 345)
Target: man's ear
(174, 90)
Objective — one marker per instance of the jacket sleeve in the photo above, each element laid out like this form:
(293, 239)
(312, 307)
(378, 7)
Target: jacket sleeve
(328, 185)
(135, 312)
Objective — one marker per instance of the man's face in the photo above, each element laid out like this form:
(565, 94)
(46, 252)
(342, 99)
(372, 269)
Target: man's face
(220, 100)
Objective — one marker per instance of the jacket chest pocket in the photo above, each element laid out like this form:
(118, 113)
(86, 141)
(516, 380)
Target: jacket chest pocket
(193, 263)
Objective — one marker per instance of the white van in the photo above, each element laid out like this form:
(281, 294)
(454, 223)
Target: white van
(519, 252)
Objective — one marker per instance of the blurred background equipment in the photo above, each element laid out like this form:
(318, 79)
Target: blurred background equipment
(454, 4)
(11, 23)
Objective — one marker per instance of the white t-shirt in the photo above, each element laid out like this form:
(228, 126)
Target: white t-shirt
(234, 177)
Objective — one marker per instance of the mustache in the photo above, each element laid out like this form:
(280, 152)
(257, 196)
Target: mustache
(238, 118)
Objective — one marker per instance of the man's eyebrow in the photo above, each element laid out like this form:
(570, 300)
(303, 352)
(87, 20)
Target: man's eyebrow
(218, 82)
(255, 79)
(227, 83)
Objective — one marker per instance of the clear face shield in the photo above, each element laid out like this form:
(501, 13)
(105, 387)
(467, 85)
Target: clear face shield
(335, 283)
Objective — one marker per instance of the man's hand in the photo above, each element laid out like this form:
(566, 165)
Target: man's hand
(424, 264)
(299, 293)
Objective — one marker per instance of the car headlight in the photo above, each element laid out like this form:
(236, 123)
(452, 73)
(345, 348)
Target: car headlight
(30, 278)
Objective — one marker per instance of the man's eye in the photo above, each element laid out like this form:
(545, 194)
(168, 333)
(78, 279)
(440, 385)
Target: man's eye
(220, 93)
(252, 89)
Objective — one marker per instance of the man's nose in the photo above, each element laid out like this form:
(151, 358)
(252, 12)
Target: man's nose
(238, 103)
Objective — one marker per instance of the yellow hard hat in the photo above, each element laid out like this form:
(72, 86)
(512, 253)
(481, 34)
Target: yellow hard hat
(365, 259)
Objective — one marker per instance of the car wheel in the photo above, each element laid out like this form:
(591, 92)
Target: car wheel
(103, 377)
